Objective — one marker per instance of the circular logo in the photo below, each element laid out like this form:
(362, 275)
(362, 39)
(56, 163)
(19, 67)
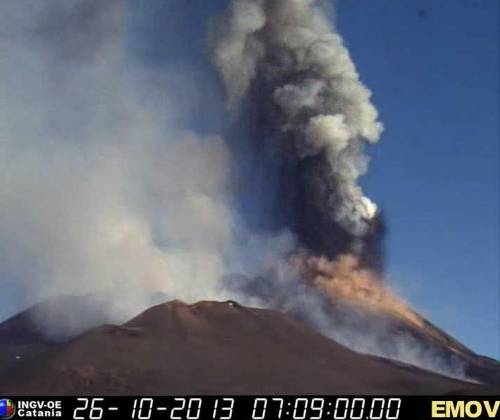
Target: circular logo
(7, 409)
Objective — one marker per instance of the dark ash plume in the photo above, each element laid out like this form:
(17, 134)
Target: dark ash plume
(287, 68)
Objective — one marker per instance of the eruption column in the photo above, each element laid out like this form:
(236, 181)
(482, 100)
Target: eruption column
(282, 62)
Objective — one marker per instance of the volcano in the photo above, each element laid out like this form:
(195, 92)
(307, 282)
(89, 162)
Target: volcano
(205, 348)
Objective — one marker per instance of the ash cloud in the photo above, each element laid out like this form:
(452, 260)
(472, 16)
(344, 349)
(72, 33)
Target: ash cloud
(308, 118)
(290, 74)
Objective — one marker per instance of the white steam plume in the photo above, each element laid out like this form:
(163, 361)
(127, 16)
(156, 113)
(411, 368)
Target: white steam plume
(102, 192)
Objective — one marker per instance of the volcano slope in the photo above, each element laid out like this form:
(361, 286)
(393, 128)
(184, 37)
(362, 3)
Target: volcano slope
(206, 348)
(411, 338)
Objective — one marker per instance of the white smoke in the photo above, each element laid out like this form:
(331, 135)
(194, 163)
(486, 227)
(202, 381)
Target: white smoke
(292, 46)
(101, 191)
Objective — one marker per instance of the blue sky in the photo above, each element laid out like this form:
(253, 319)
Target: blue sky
(433, 68)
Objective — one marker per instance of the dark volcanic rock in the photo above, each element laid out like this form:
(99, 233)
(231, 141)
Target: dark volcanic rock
(212, 348)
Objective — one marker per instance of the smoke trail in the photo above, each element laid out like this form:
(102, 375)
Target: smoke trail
(284, 63)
